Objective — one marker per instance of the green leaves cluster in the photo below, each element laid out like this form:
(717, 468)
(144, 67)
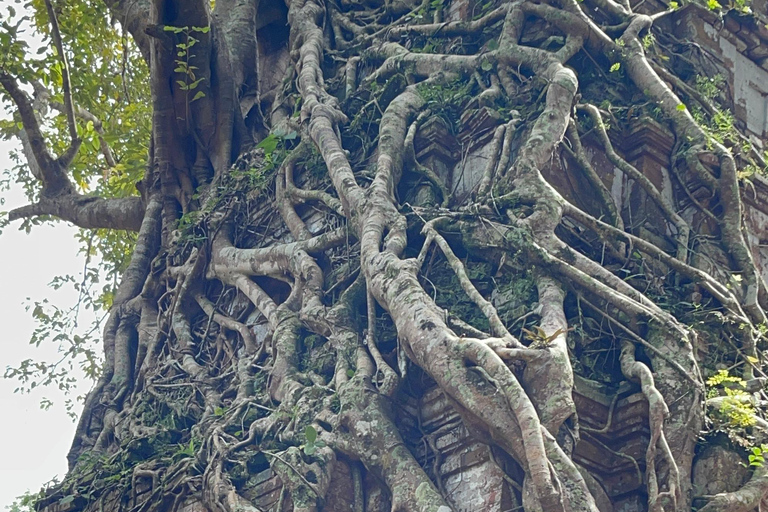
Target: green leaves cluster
(111, 81)
(757, 455)
(184, 55)
(447, 100)
(736, 409)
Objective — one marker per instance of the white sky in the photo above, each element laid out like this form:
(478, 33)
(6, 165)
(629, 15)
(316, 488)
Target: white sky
(33, 442)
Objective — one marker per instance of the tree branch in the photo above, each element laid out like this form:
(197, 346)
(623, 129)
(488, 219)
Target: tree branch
(65, 82)
(50, 172)
(88, 212)
(134, 17)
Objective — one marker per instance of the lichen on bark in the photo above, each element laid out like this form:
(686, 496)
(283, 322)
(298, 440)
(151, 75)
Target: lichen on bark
(309, 250)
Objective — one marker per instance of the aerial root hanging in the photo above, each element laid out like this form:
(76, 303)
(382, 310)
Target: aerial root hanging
(490, 167)
(683, 229)
(228, 323)
(300, 195)
(657, 352)
(410, 159)
(606, 232)
(532, 432)
(578, 154)
(391, 379)
(657, 413)
(497, 326)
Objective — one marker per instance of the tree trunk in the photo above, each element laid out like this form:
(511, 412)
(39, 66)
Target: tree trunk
(382, 264)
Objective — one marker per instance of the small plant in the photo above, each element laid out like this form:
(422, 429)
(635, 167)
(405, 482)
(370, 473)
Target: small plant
(186, 451)
(735, 410)
(313, 443)
(648, 41)
(710, 87)
(447, 100)
(722, 377)
(757, 455)
(184, 55)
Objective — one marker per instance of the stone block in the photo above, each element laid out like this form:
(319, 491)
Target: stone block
(341, 491)
(718, 470)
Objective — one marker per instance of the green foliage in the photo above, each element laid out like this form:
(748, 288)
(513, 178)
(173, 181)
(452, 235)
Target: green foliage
(721, 378)
(742, 7)
(186, 450)
(14, 49)
(721, 127)
(447, 99)
(183, 57)
(26, 502)
(757, 455)
(110, 80)
(57, 325)
(736, 410)
(710, 87)
(312, 443)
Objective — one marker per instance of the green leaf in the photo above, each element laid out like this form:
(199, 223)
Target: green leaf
(713, 5)
(193, 85)
(350, 373)
(493, 45)
(269, 144)
(674, 5)
(681, 107)
(486, 65)
(55, 74)
(203, 30)
(200, 94)
(615, 67)
(310, 433)
(66, 500)
(310, 449)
